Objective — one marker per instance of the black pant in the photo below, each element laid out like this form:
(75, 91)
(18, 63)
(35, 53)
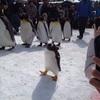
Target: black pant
(82, 25)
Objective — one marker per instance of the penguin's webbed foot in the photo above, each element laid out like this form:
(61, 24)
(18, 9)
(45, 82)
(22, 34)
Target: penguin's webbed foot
(58, 44)
(40, 44)
(24, 44)
(63, 39)
(52, 42)
(43, 72)
(2, 48)
(11, 48)
(28, 45)
(55, 78)
(45, 45)
(68, 39)
(50, 37)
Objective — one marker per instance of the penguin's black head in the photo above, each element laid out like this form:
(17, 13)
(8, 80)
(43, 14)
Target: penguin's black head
(41, 18)
(52, 47)
(25, 16)
(44, 15)
(56, 19)
(1, 8)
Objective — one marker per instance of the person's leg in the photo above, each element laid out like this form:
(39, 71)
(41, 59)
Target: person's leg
(84, 21)
(82, 25)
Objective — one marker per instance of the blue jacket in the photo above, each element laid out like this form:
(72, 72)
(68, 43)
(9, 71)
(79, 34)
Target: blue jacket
(84, 9)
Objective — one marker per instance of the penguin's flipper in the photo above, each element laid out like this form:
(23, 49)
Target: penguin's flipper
(55, 78)
(44, 72)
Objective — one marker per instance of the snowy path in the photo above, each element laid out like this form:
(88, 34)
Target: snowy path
(20, 78)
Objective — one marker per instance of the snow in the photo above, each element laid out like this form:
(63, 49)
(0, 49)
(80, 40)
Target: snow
(20, 78)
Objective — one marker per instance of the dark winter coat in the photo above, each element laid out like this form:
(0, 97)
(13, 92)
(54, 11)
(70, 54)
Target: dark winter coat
(15, 21)
(16, 7)
(45, 9)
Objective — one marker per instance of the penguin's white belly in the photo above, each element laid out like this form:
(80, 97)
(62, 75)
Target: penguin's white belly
(42, 33)
(67, 30)
(5, 38)
(56, 33)
(27, 35)
(51, 62)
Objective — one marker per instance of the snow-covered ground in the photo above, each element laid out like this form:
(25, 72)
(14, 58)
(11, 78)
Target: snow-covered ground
(20, 78)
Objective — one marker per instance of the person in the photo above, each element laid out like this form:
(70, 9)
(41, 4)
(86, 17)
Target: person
(71, 15)
(9, 10)
(61, 17)
(16, 20)
(7, 4)
(84, 10)
(18, 4)
(45, 7)
(31, 10)
(90, 64)
(97, 15)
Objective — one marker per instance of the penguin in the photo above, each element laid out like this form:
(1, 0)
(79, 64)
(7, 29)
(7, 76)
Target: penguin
(67, 31)
(42, 29)
(52, 60)
(27, 31)
(6, 33)
(56, 32)
(50, 29)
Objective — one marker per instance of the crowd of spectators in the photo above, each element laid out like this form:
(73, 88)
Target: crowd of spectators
(13, 10)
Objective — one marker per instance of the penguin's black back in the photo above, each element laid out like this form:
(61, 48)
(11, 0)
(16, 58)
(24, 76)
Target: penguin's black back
(8, 26)
(53, 47)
